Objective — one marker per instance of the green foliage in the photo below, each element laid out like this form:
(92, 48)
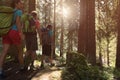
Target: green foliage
(78, 69)
(116, 73)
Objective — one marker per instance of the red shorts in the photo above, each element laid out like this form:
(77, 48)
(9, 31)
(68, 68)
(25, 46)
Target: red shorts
(12, 37)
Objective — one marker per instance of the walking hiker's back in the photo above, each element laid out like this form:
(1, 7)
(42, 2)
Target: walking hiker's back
(6, 19)
(14, 35)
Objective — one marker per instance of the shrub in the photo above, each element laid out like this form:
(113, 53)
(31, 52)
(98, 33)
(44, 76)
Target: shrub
(77, 68)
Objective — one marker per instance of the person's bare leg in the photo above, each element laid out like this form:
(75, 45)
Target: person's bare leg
(3, 54)
(33, 57)
(20, 55)
(27, 59)
(42, 61)
(2, 59)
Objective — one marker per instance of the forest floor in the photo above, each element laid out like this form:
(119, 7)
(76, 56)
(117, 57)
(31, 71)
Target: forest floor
(49, 73)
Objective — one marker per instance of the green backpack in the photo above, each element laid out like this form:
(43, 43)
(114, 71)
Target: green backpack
(6, 19)
(29, 23)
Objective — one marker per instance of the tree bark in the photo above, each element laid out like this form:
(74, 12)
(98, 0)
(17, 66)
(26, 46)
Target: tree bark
(32, 5)
(62, 31)
(91, 44)
(54, 29)
(82, 28)
(118, 41)
(86, 36)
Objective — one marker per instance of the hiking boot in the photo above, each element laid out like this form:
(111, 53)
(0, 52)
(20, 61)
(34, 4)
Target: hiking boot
(23, 69)
(2, 75)
(33, 68)
(52, 64)
(42, 67)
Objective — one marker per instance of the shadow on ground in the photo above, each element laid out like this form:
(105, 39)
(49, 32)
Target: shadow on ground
(12, 73)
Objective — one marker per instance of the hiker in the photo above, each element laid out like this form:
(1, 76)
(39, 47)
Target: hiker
(46, 36)
(14, 36)
(30, 31)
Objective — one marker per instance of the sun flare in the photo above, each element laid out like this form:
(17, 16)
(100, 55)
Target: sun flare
(65, 12)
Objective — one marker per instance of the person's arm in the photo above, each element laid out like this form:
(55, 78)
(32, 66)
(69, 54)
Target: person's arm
(18, 24)
(38, 28)
(51, 36)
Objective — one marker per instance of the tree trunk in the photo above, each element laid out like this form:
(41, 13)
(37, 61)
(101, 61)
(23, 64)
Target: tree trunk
(32, 5)
(91, 44)
(118, 41)
(100, 54)
(86, 36)
(54, 29)
(108, 52)
(82, 28)
(62, 31)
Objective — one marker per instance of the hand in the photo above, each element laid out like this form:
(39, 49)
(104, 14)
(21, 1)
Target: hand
(22, 36)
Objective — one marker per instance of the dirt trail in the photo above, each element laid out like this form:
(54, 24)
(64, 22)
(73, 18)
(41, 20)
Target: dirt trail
(48, 74)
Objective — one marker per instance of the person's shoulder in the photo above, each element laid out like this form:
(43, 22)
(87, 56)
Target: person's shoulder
(17, 11)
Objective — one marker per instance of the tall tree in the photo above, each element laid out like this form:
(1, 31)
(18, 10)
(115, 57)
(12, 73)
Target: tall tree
(106, 31)
(86, 36)
(32, 5)
(62, 30)
(54, 29)
(91, 42)
(82, 27)
(118, 39)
